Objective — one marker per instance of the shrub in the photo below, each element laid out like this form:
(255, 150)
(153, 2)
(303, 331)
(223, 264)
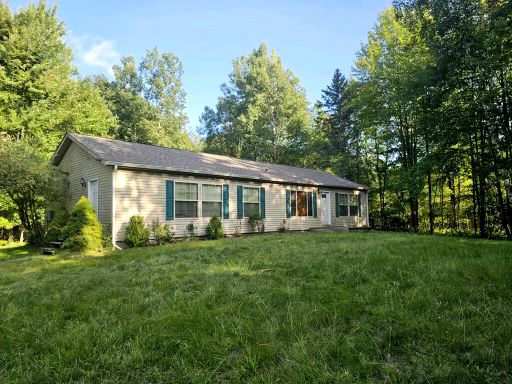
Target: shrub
(191, 229)
(238, 230)
(137, 233)
(106, 236)
(83, 230)
(214, 229)
(161, 233)
(55, 230)
(257, 222)
(282, 227)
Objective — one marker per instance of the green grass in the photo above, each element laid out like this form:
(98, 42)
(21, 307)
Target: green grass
(18, 250)
(307, 308)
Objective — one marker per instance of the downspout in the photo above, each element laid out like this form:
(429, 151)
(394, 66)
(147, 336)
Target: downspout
(114, 208)
(367, 209)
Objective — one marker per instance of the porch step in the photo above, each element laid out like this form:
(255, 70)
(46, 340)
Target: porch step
(49, 251)
(55, 244)
(330, 228)
(359, 229)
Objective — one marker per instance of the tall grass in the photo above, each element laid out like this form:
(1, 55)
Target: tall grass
(310, 308)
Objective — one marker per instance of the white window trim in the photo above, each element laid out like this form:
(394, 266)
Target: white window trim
(349, 195)
(175, 200)
(212, 201)
(243, 200)
(307, 204)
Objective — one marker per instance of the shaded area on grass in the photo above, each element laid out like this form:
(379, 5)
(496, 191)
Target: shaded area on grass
(18, 250)
(323, 307)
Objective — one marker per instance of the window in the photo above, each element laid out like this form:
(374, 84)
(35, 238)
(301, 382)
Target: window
(301, 203)
(353, 205)
(212, 200)
(348, 205)
(343, 204)
(294, 203)
(186, 200)
(251, 201)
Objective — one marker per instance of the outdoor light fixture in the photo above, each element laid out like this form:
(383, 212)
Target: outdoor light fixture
(83, 182)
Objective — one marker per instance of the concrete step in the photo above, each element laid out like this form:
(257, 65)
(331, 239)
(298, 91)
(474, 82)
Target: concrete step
(330, 228)
(55, 244)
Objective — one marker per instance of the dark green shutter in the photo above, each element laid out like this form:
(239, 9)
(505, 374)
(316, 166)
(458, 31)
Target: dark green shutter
(337, 195)
(288, 204)
(315, 214)
(225, 201)
(240, 201)
(359, 205)
(262, 202)
(169, 200)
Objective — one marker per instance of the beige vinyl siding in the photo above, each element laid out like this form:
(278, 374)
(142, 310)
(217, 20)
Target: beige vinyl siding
(347, 221)
(143, 193)
(77, 163)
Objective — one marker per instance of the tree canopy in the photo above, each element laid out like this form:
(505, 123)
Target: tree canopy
(262, 113)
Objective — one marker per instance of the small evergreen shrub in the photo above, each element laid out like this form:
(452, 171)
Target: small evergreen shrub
(257, 222)
(137, 233)
(282, 227)
(161, 232)
(191, 229)
(238, 230)
(83, 230)
(106, 236)
(214, 229)
(55, 230)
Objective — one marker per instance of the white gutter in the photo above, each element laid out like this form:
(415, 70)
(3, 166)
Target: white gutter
(113, 235)
(228, 175)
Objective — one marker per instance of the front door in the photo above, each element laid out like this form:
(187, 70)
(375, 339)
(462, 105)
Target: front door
(326, 207)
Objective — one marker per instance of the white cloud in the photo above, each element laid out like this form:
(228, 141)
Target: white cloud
(94, 51)
(101, 55)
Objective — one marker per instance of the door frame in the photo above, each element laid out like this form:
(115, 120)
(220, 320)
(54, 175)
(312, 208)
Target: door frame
(328, 200)
(89, 182)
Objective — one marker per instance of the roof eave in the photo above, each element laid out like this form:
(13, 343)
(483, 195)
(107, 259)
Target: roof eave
(64, 145)
(224, 175)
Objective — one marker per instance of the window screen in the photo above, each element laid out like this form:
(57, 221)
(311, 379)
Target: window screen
(353, 205)
(343, 204)
(186, 200)
(251, 201)
(212, 200)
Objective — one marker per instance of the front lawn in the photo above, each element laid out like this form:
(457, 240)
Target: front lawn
(312, 307)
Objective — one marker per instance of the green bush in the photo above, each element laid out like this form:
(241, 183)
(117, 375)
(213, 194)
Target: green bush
(83, 230)
(191, 229)
(214, 229)
(257, 222)
(56, 227)
(137, 234)
(106, 237)
(161, 232)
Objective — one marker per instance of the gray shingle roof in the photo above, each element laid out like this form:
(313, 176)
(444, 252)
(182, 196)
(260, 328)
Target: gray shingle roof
(144, 156)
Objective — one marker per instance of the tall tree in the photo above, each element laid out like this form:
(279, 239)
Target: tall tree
(148, 100)
(263, 112)
(336, 120)
(30, 182)
(39, 98)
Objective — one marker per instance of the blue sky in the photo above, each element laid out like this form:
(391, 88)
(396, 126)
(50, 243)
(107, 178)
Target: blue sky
(313, 38)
